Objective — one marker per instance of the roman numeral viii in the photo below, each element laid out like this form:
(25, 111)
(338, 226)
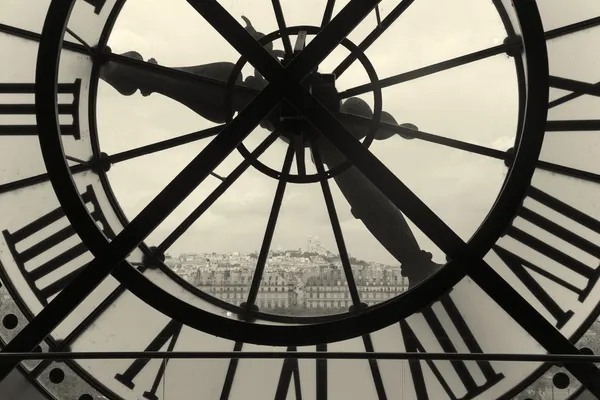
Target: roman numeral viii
(18, 118)
(170, 333)
(462, 377)
(45, 259)
(573, 275)
(97, 4)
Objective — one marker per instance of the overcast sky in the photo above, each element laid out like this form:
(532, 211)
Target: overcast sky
(476, 103)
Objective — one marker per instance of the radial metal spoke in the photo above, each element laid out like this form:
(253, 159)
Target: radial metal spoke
(429, 137)
(568, 171)
(285, 38)
(35, 37)
(273, 216)
(165, 144)
(41, 178)
(431, 69)
(140, 227)
(572, 28)
(475, 149)
(573, 125)
(374, 35)
(300, 154)
(80, 40)
(328, 13)
(216, 194)
(337, 229)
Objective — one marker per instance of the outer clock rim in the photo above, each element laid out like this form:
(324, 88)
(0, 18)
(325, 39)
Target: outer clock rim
(373, 318)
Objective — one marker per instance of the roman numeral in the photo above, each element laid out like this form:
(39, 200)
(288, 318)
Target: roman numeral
(98, 4)
(573, 125)
(577, 89)
(170, 333)
(413, 344)
(37, 274)
(289, 370)
(67, 110)
(519, 264)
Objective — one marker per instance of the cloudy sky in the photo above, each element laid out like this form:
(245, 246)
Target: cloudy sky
(476, 103)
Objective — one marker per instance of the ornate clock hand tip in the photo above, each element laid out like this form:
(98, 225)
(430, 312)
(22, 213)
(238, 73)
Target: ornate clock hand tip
(420, 269)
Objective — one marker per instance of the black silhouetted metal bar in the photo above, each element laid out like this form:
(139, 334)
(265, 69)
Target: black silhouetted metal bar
(25, 34)
(337, 229)
(75, 159)
(573, 125)
(570, 96)
(432, 138)
(321, 368)
(285, 38)
(477, 149)
(345, 355)
(219, 177)
(374, 35)
(231, 370)
(431, 69)
(300, 154)
(270, 230)
(216, 194)
(328, 12)
(164, 145)
(80, 40)
(36, 179)
(378, 15)
(573, 28)
(289, 370)
(574, 86)
(82, 326)
(374, 366)
(239, 38)
(568, 171)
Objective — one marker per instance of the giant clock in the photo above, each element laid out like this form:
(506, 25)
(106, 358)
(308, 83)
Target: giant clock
(457, 140)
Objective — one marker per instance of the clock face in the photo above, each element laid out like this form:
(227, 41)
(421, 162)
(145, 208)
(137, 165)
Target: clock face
(426, 184)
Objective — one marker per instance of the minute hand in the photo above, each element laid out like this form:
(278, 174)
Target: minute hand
(380, 216)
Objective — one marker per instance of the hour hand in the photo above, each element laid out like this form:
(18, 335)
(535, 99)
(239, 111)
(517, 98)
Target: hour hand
(202, 88)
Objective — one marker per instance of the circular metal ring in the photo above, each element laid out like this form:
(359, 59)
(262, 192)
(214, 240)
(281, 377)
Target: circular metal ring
(373, 123)
(371, 319)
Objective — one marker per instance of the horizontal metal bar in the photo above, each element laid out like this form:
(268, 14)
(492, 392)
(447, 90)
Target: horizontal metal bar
(554, 358)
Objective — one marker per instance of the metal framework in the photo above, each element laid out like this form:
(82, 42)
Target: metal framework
(286, 82)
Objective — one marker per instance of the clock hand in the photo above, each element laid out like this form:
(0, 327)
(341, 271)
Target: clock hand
(207, 97)
(380, 216)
